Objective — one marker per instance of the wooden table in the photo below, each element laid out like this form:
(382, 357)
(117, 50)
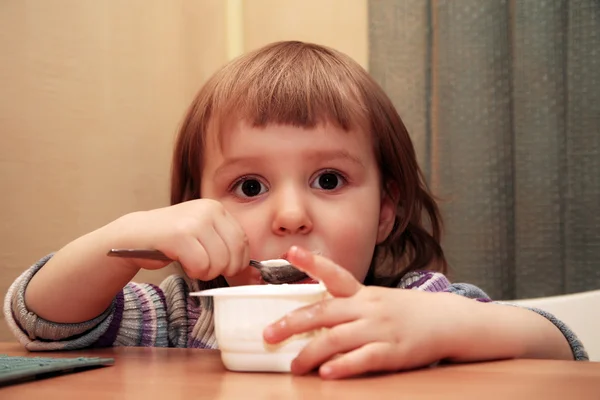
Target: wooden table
(151, 373)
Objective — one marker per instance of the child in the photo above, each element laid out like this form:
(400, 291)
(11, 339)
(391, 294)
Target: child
(289, 151)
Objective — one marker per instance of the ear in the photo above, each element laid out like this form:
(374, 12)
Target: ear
(387, 213)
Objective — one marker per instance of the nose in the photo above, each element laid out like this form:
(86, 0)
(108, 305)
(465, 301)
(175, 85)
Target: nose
(291, 213)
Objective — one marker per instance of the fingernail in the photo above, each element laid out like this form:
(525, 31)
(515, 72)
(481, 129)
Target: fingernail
(299, 253)
(269, 332)
(326, 370)
(293, 367)
(297, 368)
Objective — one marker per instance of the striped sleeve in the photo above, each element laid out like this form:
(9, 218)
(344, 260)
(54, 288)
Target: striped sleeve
(138, 316)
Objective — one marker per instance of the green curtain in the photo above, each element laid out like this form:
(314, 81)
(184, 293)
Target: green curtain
(502, 99)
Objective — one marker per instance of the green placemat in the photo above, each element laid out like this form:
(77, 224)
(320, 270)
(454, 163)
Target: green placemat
(16, 368)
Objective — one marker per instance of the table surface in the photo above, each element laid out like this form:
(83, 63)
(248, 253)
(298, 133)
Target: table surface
(143, 373)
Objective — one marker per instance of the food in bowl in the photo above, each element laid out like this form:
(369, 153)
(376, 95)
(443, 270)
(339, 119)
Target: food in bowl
(241, 313)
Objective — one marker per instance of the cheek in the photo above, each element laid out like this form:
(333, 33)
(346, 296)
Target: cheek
(352, 241)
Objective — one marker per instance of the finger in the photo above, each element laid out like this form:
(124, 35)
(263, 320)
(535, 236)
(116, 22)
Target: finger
(340, 339)
(236, 242)
(338, 281)
(193, 258)
(218, 254)
(244, 241)
(376, 356)
(323, 314)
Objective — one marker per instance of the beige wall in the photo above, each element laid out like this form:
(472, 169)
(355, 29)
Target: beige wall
(341, 24)
(92, 93)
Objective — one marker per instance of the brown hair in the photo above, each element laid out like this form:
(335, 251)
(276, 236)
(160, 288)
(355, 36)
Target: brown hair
(304, 84)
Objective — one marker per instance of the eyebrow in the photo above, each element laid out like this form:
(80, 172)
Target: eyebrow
(238, 161)
(315, 156)
(336, 155)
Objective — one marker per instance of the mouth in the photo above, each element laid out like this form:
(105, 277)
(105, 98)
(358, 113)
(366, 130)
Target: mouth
(305, 281)
(261, 281)
(284, 256)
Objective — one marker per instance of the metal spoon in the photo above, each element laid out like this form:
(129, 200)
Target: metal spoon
(272, 271)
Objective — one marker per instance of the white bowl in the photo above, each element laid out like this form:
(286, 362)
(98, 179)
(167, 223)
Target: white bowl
(241, 313)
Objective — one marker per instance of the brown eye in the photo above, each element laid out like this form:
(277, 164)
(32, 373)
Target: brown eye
(328, 180)
(249, 187)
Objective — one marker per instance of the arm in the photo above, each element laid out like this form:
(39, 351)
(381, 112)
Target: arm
(545, 327)
(535, 324)
(80, 291)
(488, 331)
(80, 282)
(139, 315)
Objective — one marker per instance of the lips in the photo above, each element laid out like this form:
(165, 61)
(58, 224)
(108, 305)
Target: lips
(284, 256)
(305, 281)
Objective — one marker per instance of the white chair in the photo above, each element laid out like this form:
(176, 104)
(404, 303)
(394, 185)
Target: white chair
(579, 311)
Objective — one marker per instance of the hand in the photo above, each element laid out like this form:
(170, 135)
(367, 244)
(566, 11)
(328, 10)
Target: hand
(200, 234)
(370, 328)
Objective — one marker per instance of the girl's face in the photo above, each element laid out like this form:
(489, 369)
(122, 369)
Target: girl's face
(317, 188)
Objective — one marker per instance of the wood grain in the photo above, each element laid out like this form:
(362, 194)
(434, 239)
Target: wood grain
(191, 373)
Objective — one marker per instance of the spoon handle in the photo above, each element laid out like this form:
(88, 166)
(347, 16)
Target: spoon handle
(151, 254)
(147, 254)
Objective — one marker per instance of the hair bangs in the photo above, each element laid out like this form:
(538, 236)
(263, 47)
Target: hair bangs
(292, 84)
